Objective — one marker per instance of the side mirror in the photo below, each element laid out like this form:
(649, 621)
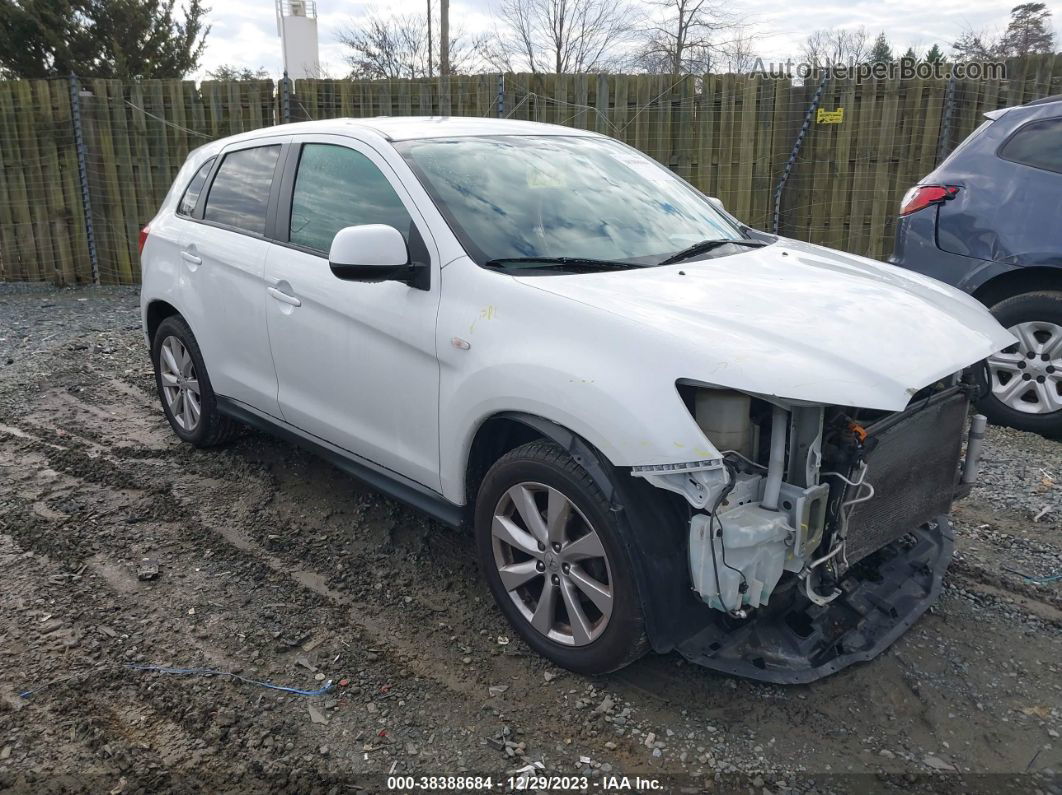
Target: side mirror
(717, 203)
(370, 253)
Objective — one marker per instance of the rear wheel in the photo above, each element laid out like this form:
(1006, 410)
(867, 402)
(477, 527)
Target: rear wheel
(553, 556)
(188, 400)
(1026, 378)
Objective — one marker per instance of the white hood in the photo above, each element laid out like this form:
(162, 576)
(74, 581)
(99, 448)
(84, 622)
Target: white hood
(798, 321)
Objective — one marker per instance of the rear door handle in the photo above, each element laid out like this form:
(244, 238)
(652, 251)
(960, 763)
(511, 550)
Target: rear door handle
(282, 296)
(188, 256)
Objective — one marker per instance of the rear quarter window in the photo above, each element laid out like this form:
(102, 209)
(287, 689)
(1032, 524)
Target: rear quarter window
(1037, 144)
(188, 201)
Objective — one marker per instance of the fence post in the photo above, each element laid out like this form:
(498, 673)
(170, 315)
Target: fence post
(285, 99)
(82, 172)
(501, 96)
(945, 126)
(796, 150)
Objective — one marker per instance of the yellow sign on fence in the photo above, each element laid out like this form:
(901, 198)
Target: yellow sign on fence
(830, 116)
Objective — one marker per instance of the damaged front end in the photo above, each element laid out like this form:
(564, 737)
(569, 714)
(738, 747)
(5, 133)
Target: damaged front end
(819, 535)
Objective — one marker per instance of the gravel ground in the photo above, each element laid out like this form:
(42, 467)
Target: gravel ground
(275, 566)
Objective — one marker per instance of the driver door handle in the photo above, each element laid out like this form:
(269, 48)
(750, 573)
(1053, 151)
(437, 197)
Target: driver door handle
(283, 297)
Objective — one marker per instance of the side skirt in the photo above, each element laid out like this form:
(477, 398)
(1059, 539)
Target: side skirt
(379, 478)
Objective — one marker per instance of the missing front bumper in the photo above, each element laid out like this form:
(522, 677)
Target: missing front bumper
(793, 641)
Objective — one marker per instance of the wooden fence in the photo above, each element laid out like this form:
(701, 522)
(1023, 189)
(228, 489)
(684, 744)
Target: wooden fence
(731, 136)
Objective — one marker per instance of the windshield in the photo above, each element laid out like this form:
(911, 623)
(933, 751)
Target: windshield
(559, 196)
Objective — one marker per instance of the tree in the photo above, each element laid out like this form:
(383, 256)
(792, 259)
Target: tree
(1029, 31)
(736, 54)
(935, 55)
(975, 46)
(690, 36)
(124, 39)
(396, 46)
(910, 55)
(824, 47)
(881, 52)
(231, 72)
(560, 36)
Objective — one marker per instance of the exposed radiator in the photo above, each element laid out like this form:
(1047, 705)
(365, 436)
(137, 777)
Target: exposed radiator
(914, 470)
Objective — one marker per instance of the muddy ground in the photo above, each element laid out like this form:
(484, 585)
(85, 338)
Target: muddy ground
(277, 567)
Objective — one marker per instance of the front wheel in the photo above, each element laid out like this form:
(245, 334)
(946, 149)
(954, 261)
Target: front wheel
(553, 556)
(1026, 378)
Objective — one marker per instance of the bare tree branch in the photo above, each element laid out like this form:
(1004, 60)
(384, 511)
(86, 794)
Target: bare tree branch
(560, 36)
(386, 45)
(690, 36)
(838, 46)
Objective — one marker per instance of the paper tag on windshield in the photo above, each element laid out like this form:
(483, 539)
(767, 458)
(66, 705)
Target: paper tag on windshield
(649, 169)
(545, 176)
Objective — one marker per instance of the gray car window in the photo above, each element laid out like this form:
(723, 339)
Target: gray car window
(1037, 144)
(240, 191)
(337, 187)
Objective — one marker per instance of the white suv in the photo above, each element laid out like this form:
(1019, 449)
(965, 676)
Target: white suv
(667, 430)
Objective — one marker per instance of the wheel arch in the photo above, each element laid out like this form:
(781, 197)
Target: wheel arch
(656, 520)
(506, 430)
(157, 311)
(1032, 278)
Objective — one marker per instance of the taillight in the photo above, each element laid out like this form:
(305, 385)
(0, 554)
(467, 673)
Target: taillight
(143, 239)
(921, 196)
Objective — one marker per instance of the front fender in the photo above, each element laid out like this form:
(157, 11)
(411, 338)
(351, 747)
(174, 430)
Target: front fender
(503, 347)
(630, 427)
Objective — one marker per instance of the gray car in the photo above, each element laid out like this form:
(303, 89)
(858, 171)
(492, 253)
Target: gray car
(988, 220)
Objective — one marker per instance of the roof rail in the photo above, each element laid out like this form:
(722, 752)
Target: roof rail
(1045, 100)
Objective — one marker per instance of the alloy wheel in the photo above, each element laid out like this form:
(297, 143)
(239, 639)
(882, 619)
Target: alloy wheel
(180, 387)
(552, 563)
(1026, 376)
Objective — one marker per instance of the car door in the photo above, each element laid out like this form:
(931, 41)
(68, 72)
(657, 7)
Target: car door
(356, 362)
(224, 255)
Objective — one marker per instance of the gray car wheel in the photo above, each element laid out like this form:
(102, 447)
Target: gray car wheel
(1026, 378)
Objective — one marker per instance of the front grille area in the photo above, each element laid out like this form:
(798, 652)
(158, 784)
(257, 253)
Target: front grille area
(914, 471)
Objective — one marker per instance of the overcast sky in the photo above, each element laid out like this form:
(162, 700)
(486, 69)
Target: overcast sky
(245, 34)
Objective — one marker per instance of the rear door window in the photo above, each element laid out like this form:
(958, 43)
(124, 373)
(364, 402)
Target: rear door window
(337, 187)
(239, 194)
(195, 187)
(1037, 144)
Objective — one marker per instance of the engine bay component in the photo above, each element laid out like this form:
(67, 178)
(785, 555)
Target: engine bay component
(855, 546)
(736, 563)
(904, 496)
(723, 415)
(776, 462)
(975, 443)
(739, 551)
(700, 482)
(795, 641)
(806, 509)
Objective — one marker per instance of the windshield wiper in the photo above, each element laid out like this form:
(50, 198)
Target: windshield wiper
(580, 263)
(707, 245)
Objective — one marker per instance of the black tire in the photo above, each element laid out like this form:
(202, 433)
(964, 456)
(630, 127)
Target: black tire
(622, 639)
(1039, 306)
(213, 427)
